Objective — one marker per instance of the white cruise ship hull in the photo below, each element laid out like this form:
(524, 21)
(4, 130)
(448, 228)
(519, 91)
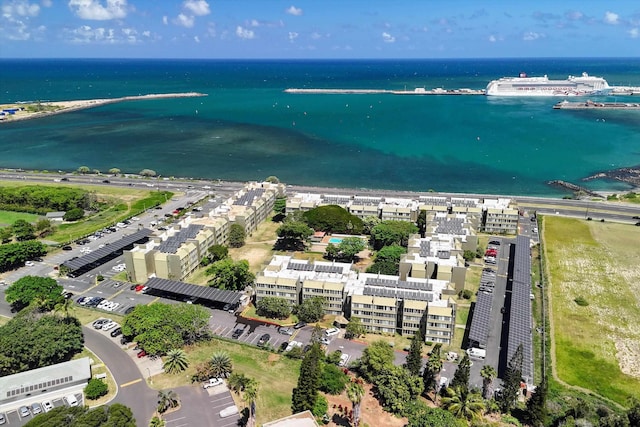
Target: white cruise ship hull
(584, 85)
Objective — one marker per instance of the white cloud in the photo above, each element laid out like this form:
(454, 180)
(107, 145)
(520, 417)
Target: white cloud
(86, 34)
(388, 38)
(634, 33)
(184, 20)
(196, 39)
(165, 20)
(294, 11)
(20, 8)
(197, 7)
(292, 36)
(492, 38)
(611, 18)
(530, 36)
(243, 33)
(146, 33)
(46, 3)
(94, 10)
(574, 15)
(315, 35)
(254, 23)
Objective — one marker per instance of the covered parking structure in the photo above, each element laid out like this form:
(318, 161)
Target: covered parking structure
(78, 266)
(180, 290)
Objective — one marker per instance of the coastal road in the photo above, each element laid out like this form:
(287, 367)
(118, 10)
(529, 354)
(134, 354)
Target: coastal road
(132, 387)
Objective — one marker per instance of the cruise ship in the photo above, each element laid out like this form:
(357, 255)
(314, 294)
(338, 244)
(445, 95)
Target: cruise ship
(542, 86)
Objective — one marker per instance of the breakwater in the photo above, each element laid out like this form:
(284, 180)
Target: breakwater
(591, 105)
(416, 91)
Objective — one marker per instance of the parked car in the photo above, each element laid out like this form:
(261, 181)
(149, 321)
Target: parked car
(67, 248)
(36, 408)
(325, 341)
(108, 326)
(116, 332)
(71, 400)
(141, 354)
(29, 264)
(212, 382)
(264, 339)
(285, 331)
(237, 333)
(299, 325)
(3, 419)
(47, 405)
(331, 332)
(344, 359)
(24, 411)
(100, 322)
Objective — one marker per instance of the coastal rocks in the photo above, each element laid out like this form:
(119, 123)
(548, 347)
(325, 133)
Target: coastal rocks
(630, 175)
(572, 187)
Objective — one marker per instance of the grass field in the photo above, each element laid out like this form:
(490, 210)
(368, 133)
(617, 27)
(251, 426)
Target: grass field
(277, 375)
(597, 345)
(8, 217)
(98, 367)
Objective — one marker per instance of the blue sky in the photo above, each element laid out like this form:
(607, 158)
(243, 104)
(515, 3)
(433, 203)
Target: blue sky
(318, 28)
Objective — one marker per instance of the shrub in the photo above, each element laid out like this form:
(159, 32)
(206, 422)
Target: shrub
(95, 389)
(74, 214)
(581, 301)
(333, 379)
(466, 294)
(320, 407)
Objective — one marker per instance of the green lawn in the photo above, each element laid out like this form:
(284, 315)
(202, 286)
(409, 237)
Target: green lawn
(276, 375)
(595, 344)
(8, 217)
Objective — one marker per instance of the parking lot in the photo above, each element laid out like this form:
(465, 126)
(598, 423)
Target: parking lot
(58, 398)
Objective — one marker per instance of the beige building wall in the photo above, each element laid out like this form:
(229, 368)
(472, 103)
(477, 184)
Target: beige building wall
(413, 313)
(281, 287)
(332, 292)
(378, 314)
(501, 221)
(440, 323)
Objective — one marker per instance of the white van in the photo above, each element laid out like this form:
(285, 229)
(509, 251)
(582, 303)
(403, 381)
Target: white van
(476, 353)
(71, 400)
(229, 411)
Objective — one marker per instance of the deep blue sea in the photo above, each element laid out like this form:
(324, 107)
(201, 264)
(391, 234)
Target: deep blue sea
(247, 128)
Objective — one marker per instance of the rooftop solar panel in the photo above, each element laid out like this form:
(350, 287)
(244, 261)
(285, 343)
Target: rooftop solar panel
(173, 243)
(479, 329)
(98, 254)
(202, 292)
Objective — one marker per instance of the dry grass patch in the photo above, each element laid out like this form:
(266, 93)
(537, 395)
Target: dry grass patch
(596, 344)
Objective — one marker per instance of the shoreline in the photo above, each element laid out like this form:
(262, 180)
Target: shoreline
(75, 105)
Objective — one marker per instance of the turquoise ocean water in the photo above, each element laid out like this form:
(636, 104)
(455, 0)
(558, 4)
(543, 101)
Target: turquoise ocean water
(247, 128)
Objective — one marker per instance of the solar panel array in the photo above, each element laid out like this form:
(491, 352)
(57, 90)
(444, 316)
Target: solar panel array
(479, 329)
(366, 201)
(425, 248)
(98, 254)
(469, 203)
(337, 200)
(397, 293)
(173, 243)
(444, 254)
(247, 198)
(438, 201)
(186, 289)
(401, 284)
(328, 268)
(300, 266)
(520, 330)
(449, 225)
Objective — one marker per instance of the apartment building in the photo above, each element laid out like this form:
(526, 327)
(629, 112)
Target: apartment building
(499, 217)
(251, 205)
(332, 292)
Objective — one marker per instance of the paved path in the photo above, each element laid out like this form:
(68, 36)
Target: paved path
(132, 387)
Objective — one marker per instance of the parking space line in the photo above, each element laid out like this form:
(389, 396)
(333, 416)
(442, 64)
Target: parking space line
(154, 300)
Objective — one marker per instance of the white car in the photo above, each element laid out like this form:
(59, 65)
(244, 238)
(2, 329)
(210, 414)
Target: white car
(444, 382)
(29, 263)
(212, 382)
(108, 326)
(331, 332)
(344, 359)
(47, 405)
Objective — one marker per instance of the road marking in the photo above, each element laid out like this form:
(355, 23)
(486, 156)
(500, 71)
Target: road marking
(154, 300)
(131, 382)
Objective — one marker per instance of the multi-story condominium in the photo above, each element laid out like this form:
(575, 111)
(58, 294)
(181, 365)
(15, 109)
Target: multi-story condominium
(332, 292)
(251, 205)
(377, 313)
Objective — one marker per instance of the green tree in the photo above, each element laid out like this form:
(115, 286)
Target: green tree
(274, 308)
(29, 288)
(388, 233)
(316, 334)
(331, 252)
(431, 375)
(221, 365)
(461, 376)
(537, 406)
(14, 255)
(249, 396)
(218, 252)
(23, 230)
(120, 416)
(348, 248)
(355, 393)
(333, 379)
(84, 169)
(311, 310)
(237, 236)
(633, 413)
(354, 328)
(469, 255)
(32, 340)
(462, 404)
(511, 381)
(422, 222)
(237, 382)
(293, 235)
(93, 417)
(321, 406)
(396, 386)
(272, 179)
(375, 358)
(414, 358)
(280, 209)
(306, 393)
(176, 361)
(6, 234)
(230, 275)
(387, 260)
(333, 219)
(114, 171)
(65, 305)
(421, 415)
(368, 222)
(488, 373)
(95, 388)
(167, 399)
(156, 422)
(147, 172)
(73, 214)
(43, 227)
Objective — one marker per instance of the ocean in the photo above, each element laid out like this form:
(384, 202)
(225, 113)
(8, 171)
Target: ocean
(248, 128)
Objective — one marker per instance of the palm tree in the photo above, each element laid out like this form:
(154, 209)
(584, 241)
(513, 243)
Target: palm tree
(84, 169)
(167, 399)
(249, 396)
(65, 305)
(355, 392)
(114, 171)
(238, 382)
(221, 365)
(463, 404)
(488, 373)
(156, 422)
(176, 361)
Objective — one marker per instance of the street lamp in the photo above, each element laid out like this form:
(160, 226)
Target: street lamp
(149, 372)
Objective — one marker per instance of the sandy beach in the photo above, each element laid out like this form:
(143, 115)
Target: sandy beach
(34, 110)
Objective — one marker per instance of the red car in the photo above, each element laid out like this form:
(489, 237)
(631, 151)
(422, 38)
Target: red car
(139, 288)
(141, 354)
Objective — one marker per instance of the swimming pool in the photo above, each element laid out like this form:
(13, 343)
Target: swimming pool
(336, 240)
